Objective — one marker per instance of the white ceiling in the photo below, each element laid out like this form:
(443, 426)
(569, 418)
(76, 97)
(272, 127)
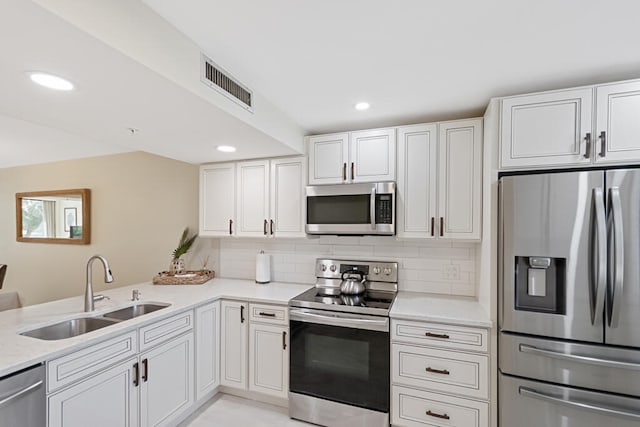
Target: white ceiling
(308, 62)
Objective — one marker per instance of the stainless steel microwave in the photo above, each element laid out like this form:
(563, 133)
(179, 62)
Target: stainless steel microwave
(352, 209)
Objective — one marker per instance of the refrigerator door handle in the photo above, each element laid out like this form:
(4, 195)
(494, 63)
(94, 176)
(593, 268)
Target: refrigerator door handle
(609, 363)
(598, 248)
(529, 392)
(616, 257)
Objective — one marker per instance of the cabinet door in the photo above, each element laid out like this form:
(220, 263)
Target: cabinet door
(217, 199)
(253, 198)
(269, 359)
(617, 122)
(287, 197)
(328, 158)
(417, 174)
(166, 385)
(207, 349)
(372, 154)
(547, 129)
(109, 399)
(460, 179)
(233, 358)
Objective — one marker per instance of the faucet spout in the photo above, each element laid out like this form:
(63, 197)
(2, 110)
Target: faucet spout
(89, 299)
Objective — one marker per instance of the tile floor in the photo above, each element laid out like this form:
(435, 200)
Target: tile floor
(230, 411)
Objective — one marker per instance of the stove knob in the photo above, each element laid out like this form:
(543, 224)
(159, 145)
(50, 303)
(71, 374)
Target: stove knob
(376, 270)
(387, 271)
(332, 268)
(323, 267)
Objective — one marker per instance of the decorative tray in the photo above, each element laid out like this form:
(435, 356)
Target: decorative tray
(189, 277)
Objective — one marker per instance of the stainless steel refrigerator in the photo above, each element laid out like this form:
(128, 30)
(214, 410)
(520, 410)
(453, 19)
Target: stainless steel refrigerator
(569, 286)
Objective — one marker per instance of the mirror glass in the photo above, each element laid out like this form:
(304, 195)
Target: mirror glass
(60, 216)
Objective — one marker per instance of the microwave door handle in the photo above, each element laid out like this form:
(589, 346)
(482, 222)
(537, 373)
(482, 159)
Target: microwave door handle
(616, 257)
(598, 255)
(372, 208)
(529, 392)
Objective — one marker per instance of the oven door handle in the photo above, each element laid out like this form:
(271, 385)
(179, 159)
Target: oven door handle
(341, 319)
(372, 208)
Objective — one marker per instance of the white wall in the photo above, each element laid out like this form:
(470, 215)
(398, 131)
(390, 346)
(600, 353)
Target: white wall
(423, 266)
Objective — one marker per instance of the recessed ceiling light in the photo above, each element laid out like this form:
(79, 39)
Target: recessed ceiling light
(226, 148)
(361, 106)
(50, 81)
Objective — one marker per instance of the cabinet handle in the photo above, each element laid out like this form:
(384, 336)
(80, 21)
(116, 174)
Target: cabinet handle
(353, 176)
(344, 171)
(284, 340)
(432, 335)
(242, 314)
(271, 227)
(441, 226)
(145, 369)
(587, 152)
(230, 227)
(441, 416)
(264, 227)
(437, 371)
(433, 226)
(136, 374)
(603, 144)
(262, 313)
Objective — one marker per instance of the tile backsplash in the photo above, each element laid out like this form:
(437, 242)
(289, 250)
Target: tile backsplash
(424, 266)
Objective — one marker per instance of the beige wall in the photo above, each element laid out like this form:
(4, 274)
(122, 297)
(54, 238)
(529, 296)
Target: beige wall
(140, 205)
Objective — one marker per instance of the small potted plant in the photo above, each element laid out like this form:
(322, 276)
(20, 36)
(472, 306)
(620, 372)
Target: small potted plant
(177, 263)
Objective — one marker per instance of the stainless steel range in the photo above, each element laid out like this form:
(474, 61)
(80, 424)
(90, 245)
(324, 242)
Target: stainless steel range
(339, 344)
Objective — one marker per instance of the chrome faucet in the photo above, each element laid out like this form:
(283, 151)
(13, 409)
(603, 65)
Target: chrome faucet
(89, 298)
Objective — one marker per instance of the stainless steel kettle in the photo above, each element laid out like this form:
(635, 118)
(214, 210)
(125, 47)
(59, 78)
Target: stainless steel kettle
(353, 285)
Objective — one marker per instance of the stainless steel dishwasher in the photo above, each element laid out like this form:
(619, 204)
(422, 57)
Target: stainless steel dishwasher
(23, 398)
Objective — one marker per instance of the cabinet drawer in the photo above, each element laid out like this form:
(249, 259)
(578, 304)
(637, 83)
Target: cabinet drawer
(164, 330)
(445, 336)
(413, 408)
(82, 363)
(264, 313)
(441, 370)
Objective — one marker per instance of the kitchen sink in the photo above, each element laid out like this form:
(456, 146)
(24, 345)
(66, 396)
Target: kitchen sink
(69, 328)
(134, 311)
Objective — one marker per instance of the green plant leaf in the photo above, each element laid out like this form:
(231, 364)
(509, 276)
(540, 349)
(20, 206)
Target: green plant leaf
(185, 244)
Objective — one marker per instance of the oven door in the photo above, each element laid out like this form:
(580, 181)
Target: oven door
(341, 357)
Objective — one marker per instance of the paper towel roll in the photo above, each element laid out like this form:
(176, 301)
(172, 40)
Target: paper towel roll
(263, 268)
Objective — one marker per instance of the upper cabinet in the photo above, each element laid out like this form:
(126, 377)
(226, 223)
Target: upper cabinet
(439, 180)
(263, 198)
(362, 156)
(557, 129)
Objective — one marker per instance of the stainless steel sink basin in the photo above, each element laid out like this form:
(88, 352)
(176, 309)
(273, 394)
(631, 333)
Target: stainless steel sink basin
(134, 311)
(69, 328)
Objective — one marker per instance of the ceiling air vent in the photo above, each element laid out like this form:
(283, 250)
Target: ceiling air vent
(216, 77)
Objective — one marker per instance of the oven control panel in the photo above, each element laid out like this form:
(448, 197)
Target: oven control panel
(375, 271)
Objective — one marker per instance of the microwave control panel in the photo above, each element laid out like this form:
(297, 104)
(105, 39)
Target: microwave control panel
(384, 209)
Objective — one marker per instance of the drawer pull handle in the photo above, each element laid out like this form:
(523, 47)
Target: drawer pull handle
(432, 335)
(242, 314)
(437, 371)
(441, 416)
(262, 313)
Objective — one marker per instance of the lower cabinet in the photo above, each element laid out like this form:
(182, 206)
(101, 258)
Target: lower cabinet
(255, 347)
(110, 384)
(207, 343)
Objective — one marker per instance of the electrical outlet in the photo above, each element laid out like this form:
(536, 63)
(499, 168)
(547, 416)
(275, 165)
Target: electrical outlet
(451, 272)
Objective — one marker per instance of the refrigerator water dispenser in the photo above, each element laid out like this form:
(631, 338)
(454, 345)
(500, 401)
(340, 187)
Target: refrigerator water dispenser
(540, 284)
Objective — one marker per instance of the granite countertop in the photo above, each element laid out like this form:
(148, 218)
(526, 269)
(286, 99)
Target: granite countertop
(18, 352)
(452, 310)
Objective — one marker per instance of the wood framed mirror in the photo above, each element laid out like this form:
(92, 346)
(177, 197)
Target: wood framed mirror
(60, 216)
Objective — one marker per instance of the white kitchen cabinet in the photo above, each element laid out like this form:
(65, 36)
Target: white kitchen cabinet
(557, 129)
(108, 399)
(362, 156)
(617, 122)
(271, 198)
(207, 342)
(439, 180)
(166, 381)
(217, 199)
(234, 344)
(269, 359)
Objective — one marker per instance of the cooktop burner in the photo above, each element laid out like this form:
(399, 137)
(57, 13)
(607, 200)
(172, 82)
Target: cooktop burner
(381, 288)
